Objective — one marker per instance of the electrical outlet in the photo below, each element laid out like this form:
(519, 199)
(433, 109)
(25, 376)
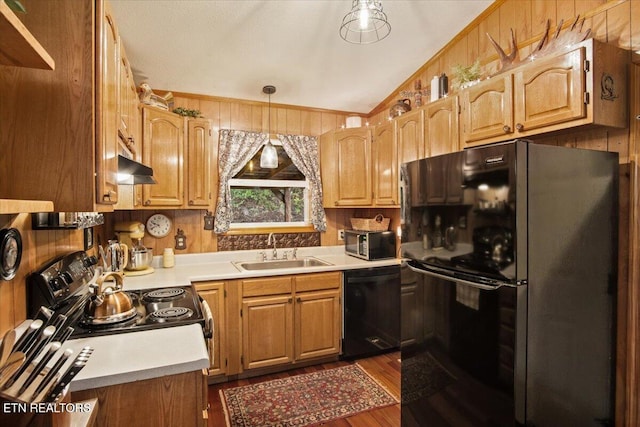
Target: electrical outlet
(341, 234)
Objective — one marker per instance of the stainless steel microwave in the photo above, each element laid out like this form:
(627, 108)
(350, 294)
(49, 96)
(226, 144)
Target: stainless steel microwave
(370, 245)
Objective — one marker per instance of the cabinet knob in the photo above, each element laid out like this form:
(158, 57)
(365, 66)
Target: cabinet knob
(520, 127)
(191, 202)
(335, 203)
(290, 300)
(506, 128)
(147, 202)
(298, 300)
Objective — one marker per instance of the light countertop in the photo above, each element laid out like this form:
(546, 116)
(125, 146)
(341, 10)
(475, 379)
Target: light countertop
(219, 266)
(135, 356)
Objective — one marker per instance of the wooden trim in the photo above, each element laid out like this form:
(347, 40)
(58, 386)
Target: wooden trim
(18, 46)
(632, 398)
(256, 103)
(13, 206)
(267, 230)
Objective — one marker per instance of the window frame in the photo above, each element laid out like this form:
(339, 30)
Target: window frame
(273, 183)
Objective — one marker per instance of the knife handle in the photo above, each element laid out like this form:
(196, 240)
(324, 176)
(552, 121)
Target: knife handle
(54, 369)
(28, 336)
(64, 381)
(69, 374)
(53, 348)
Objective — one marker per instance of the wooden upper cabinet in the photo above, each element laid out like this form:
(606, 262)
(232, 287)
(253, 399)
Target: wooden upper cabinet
(345, 167)
(129, 114)
(199, 163)
(108, 112)
(328, 169)
(163, 150)
(585, 85)
(441, 131)
(410, 130)
(487, 109)
(385, 165)
(550, 92)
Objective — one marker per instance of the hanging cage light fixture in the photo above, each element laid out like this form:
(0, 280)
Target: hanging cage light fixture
(269, 156)
(366, 23)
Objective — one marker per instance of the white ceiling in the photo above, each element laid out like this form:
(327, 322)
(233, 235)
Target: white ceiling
(232, 48)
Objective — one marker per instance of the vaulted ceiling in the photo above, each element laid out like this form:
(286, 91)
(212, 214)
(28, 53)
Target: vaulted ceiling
(232, 48)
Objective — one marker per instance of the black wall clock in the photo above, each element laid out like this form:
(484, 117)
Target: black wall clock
(10, 253)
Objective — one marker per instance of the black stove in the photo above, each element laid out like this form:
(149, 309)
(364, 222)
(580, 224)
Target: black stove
(62, 285)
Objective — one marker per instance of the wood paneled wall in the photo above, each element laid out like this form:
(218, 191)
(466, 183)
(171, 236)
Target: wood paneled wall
(616, 22)
(254, 116)
(230, 114)
(38, 247)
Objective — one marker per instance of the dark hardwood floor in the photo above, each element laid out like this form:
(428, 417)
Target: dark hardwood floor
(384, 368)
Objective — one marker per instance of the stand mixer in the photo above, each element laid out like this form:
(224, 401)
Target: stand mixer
(131, 233)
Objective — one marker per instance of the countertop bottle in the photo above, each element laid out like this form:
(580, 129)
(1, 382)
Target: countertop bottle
(168, 258)
(437, 234)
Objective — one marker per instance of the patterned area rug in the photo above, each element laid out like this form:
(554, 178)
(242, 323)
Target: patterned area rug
(423, 376)
(304, 400)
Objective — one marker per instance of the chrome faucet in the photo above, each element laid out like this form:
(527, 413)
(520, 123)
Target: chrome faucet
(275, 250)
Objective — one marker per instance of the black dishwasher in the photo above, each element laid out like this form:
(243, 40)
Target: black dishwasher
(371, 311)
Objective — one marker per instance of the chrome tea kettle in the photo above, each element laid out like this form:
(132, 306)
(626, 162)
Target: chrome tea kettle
(115, 256)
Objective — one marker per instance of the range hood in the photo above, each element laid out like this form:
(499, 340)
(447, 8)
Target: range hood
(131, 172)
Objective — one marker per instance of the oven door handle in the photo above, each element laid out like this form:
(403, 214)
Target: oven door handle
(208, 319)
(456, 279)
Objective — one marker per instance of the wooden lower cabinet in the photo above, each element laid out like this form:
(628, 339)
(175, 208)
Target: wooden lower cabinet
(267, 331)
(290, 319)
(317, 331)
(214, 293)
(172, 401)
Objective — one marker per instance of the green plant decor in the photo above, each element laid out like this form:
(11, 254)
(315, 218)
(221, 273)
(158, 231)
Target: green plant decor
(463, 75)
(186, 112)
(16, 6)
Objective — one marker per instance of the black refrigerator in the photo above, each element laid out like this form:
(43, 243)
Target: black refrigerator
(512, 251)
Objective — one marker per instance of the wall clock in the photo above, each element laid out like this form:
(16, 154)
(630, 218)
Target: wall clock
(158, 225)
(10, 253)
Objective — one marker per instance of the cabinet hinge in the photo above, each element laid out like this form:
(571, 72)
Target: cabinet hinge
(225, 293)
(586, 66)
(226, 362)
(586, 98)
(240, 312)
(210, 132)
(241, 360)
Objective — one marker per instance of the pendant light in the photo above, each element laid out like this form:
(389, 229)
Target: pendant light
(269, 156)
(366, 23)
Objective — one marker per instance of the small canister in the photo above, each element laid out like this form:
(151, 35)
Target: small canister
(168, 258)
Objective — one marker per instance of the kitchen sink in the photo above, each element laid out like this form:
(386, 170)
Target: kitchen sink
(278, 264)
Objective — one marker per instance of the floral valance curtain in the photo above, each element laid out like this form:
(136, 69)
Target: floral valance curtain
(235, 149)
(303, 152)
